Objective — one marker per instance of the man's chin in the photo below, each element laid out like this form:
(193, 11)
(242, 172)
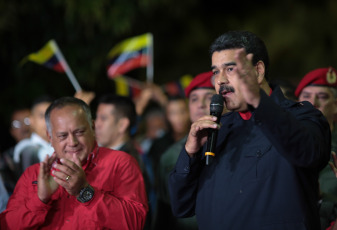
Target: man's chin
(232, 108)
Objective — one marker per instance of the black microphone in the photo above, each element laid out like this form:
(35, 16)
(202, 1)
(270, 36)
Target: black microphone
(216, 109)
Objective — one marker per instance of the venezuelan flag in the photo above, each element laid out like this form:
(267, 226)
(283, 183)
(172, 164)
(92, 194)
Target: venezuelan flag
(124, 87)
(49, 56)
(129, 54)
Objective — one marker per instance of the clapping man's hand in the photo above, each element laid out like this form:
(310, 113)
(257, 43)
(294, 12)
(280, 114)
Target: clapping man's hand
(70, 175)
(46, 184)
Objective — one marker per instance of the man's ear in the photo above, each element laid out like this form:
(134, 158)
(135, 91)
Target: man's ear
(123, 125)
(261, 70)
(93, 125)
(48, 135)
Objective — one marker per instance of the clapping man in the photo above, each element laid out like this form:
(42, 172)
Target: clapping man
(81, 186)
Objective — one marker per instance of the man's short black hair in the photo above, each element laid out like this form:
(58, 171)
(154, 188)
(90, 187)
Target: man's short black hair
(243, 39)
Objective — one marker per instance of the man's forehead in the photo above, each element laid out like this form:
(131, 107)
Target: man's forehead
(106, 107)
(61, 124)
(316, 89)
(223, 57)
(202, 91)
(66, 111)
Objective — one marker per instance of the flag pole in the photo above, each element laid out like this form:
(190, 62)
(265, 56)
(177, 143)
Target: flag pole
(149, 67)
(66, 68)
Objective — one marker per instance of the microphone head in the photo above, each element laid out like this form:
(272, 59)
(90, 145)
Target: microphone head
(216, 104)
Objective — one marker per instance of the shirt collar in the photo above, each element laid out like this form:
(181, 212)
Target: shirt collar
(91, 158)
(117, 147)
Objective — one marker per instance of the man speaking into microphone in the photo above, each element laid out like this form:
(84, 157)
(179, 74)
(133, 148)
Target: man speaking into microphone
(269, 150)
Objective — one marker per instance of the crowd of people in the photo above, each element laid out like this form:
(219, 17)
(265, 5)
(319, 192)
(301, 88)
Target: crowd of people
(139, 163)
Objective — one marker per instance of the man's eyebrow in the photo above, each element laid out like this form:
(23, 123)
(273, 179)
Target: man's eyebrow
(323, 93)
(224, 65)
(61, 133)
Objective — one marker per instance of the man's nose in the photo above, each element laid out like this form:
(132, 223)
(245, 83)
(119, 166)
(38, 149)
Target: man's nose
(314, 101)
(222, 78)
(98, 123)
(73, 140)
(203, 103)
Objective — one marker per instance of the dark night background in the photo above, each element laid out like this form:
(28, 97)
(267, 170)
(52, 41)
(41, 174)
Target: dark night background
(300, 36)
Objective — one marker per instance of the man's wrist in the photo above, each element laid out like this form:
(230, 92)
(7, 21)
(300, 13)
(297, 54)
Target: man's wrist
(189, 153)
(86, 194)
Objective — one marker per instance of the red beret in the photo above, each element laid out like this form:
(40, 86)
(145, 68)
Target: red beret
(203, 80)
(318, 77)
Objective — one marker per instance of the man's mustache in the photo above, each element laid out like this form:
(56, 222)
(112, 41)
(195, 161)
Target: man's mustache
(226, 88)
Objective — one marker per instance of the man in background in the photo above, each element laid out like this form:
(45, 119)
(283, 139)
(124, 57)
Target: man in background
(19, 130)
(115, 120)
(20, 124)
(34, 149)
(115, 123)
(319, 87)
(199, 93)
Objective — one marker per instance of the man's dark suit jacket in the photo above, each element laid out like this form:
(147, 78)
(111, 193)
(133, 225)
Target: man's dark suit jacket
(265, 171)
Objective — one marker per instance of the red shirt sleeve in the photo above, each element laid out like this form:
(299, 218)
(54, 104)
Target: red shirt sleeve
(24, 208)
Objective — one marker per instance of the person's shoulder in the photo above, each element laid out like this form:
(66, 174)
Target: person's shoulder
(302, 108)
(170, 156)
(116, 160)
(173, 150)
(131, 148)
(107, 155)
(290, 104)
